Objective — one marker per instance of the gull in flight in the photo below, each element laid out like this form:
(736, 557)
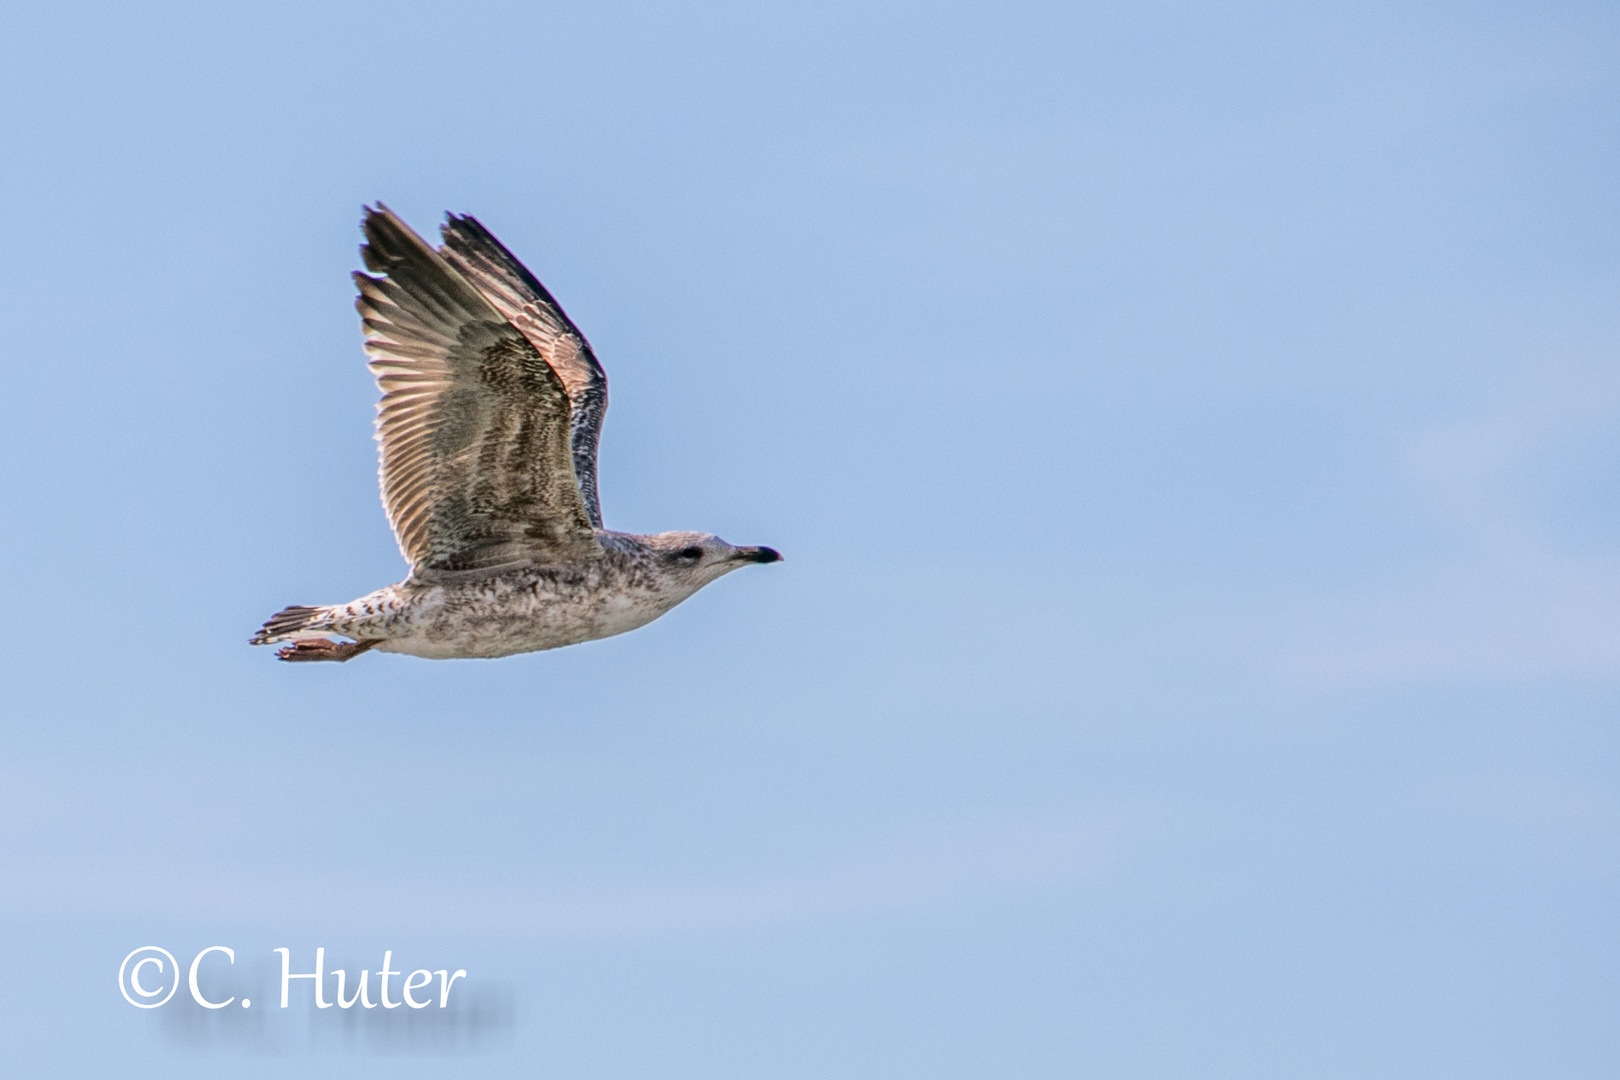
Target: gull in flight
(491, 407)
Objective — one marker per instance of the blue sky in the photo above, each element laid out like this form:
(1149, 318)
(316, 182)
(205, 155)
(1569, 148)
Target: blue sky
(1193, 432)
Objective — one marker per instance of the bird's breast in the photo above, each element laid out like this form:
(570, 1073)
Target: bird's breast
(525, 613)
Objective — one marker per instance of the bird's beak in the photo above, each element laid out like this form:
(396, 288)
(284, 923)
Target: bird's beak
(759, 554)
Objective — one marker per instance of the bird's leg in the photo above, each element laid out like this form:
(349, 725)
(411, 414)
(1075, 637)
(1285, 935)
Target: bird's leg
(323, 649)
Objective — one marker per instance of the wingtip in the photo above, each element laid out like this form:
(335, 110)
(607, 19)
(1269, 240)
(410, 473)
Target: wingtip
(457, 227)
(389, 240)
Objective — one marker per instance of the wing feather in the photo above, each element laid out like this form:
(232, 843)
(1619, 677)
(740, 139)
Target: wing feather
(524, 302)
(474, 425)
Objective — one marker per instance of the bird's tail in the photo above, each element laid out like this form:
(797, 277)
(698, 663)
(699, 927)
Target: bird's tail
(290, 623)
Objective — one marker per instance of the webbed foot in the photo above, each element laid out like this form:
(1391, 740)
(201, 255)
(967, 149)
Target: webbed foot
(323, 649)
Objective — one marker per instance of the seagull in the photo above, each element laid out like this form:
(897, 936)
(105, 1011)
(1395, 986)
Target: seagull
(492, 404)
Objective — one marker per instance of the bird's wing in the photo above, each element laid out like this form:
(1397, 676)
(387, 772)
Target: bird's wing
(519, 296)
(473, 425)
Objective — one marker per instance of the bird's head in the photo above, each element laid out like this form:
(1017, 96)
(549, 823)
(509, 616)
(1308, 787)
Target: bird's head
(695, 559)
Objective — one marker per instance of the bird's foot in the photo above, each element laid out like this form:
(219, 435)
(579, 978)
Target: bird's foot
(323, 649)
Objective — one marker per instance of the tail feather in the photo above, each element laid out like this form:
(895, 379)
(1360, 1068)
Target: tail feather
(286, 623)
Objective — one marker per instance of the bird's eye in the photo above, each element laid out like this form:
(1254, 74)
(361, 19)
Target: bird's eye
(692, 554)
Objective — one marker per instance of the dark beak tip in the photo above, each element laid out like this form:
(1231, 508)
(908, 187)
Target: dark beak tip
(767, 555)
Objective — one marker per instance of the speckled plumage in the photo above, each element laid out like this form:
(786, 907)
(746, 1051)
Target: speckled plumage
(487, 434)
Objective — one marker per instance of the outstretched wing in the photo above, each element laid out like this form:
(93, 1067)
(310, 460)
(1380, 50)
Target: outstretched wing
(473, 426)
(525, 303)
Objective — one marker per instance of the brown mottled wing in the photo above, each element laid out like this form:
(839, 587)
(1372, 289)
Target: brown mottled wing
(473, 426)
(519, 296)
